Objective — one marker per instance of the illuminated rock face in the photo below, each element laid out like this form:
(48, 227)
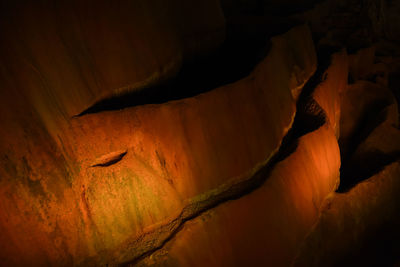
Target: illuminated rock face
(267, 226)
(108, 187)
(244, 174)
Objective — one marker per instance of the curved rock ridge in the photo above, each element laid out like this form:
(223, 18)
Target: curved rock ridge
(285, 208)
(160, 164)
(267, 226)
(358, 225)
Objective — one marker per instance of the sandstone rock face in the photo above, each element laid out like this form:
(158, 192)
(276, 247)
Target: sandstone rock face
(108, 187)
(241, 174)
(284, 207)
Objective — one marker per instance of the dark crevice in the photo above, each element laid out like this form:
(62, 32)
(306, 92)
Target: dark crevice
(364, 167)
(267, 8)
(309, 117)
(370, 119)
(353, 171)
(380, 247)
(243, 188)
(234, 60)
(394, 86)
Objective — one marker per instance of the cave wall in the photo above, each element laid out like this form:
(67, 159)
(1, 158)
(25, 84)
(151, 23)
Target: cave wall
(243, 174)
(64, 204)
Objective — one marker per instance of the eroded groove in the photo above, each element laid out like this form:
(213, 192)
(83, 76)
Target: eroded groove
(309, 117)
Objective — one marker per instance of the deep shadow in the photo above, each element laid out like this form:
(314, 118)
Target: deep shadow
(353, 171)
(380, 248)
(357, 170)
(234, 60)
(394, 85)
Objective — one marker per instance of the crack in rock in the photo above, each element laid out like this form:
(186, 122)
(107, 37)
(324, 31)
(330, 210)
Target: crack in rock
(309, 117)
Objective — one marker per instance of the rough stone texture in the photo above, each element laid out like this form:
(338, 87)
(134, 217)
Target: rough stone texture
(58, 209)
(285, 208)
(348, 219)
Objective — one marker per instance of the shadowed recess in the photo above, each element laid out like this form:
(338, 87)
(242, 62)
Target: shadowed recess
(353, 172)
(234, 60)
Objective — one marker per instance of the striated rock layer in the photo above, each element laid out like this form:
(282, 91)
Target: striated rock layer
(111, 186)
(268, 226)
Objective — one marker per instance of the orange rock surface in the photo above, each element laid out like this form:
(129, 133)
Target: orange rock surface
(334, 83)
(108, 187)
(266, 227)
(70, 54)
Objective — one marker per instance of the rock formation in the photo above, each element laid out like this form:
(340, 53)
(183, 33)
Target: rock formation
(117, 147)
